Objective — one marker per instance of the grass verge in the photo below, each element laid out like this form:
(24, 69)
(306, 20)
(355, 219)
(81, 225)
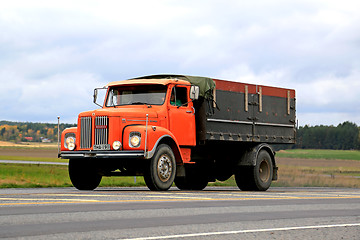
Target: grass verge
(35, 176)
(32, 175)
(35, 159)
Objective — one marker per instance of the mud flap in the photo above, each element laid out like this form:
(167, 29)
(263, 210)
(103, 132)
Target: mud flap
(275, 173)
(180, 171)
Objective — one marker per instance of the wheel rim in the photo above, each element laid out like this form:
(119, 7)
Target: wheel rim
(264, 171)
(164, 168)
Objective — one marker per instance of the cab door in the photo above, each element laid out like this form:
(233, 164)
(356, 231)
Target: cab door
(182, 116)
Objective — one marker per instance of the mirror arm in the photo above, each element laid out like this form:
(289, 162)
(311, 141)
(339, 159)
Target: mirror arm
(185, 103)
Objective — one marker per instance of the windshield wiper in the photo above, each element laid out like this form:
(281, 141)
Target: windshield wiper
(138, 103)
(141, 103)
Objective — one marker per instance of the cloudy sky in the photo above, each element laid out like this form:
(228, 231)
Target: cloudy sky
(54, 53)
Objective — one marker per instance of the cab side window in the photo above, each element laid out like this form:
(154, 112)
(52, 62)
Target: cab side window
(179, 96)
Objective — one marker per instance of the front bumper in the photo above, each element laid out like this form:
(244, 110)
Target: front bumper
(101, 154)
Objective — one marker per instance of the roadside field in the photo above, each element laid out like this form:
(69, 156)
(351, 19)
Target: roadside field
(319, 154)
(39, 154)
(28, 145)
(318, 173)
(296, 169)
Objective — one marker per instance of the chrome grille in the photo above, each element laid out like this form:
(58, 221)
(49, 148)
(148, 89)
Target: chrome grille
(101, 130)
(85, 132)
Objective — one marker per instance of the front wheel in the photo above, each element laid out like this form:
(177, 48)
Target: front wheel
(258, 177)
(83, 174)
(161, 172)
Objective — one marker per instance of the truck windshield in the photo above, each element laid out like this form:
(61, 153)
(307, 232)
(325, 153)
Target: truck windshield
(135, 95)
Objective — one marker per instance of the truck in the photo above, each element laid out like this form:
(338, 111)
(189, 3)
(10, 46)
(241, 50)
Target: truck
(181, 129)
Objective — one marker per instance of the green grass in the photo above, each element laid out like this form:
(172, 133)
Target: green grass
(37, 159)
(34, 176)
(320, 154)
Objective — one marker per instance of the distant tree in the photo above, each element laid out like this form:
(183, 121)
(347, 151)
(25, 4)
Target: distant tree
(50, 132)
(345, 136)
(348, 135)
(16, 131)
(3, 130)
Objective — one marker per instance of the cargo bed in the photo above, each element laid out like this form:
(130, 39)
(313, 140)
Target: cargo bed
(248, 113)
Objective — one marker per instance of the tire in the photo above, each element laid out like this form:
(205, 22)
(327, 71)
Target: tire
(184, 183)
(83, 174)
(181, 183)
(161, 171)
(223, 171)
(199, 183)
(243, 178)
(223, 176)
(257, 178)
(192, 180)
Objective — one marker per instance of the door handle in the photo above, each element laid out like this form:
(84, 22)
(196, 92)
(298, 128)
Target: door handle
(193, 111)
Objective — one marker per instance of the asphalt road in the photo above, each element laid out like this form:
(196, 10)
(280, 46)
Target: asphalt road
(215, 213)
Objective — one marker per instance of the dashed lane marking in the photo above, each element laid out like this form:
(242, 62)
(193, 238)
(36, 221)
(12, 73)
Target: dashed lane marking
(38, 201)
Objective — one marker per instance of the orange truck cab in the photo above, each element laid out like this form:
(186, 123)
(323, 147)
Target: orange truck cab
(182, 129)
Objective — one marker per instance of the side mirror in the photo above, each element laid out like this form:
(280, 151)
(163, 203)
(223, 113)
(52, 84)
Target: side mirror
(95, 95)
(102, 95)
(194, 92)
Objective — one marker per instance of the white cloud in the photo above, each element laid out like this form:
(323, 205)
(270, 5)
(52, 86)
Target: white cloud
(312, 46)
(326, 118)
(332, 92)
(62, 95)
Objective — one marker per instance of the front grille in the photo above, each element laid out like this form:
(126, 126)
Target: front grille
(101, 130)
(85, 132)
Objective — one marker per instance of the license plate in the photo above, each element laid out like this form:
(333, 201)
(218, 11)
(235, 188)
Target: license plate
(102, 147)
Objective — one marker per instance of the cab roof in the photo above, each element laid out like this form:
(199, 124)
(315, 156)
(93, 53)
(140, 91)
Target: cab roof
(206, 85)
(140, 81)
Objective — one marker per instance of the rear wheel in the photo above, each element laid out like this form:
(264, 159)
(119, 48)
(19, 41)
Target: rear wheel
(258, 177)
(162, 169)
(83, 174)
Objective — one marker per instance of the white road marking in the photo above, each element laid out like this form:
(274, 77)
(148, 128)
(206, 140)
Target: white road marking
(245, 231)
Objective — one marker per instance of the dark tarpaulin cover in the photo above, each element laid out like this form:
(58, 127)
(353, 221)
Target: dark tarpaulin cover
(205, 84)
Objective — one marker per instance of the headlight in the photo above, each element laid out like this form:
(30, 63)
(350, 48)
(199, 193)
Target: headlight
(70, 143)
(116, 145)
(135, 139)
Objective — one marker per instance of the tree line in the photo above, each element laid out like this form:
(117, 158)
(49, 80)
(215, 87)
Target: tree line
(30, 132)
(345, 136)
